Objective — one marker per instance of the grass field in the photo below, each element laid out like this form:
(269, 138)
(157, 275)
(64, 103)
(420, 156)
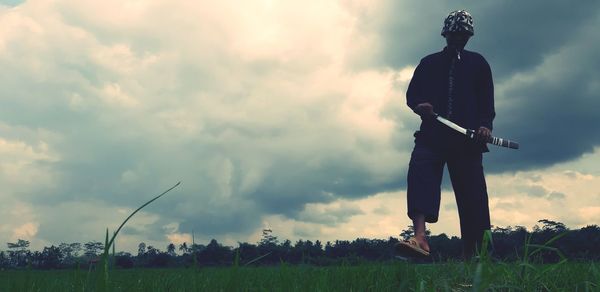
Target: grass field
(481, 275)
(397, 276)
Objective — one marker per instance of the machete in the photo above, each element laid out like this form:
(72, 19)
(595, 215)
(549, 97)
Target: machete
(473, 135)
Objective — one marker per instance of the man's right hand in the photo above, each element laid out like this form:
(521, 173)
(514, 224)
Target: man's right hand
(425, 110)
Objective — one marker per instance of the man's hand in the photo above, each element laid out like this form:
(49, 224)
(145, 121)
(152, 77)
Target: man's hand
(425, 110)
(484, 134)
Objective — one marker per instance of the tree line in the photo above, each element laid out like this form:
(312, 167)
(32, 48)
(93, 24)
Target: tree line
(507, 245)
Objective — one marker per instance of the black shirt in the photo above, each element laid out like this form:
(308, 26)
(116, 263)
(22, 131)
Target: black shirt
(464, 85)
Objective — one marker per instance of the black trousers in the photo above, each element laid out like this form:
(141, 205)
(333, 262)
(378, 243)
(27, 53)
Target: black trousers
(468, 181)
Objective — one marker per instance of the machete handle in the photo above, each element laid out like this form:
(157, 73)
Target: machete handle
(503, 142)
(495, 140)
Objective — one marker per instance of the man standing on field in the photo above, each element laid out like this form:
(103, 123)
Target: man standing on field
(456, 84)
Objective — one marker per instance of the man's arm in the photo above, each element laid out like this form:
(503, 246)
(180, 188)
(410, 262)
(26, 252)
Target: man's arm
(414, 94)
(485, 97)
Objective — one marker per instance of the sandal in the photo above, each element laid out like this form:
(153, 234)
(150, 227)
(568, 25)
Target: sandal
(411, 248)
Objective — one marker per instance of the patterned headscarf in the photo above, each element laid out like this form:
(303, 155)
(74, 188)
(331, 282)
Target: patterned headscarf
(458, 21)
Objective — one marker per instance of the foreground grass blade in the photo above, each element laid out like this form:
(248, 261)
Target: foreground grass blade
(106, 248)
(557, 237)
(108, 243)
(258, 258)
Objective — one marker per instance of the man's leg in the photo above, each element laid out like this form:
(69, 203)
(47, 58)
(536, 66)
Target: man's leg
(419, 228)
(423, 192)
(468, 181)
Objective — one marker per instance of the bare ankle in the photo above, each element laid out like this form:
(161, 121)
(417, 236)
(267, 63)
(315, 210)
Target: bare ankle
(422, 240)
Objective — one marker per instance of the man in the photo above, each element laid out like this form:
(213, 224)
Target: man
(456, 84)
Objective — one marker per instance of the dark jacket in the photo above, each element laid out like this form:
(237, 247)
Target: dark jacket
(472, 96)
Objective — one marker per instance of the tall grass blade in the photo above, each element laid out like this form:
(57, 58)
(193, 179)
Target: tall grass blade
(108, 243)
(138, 209)
(258, 258)
(545, 246)
(487, 241)
(540, 248)
(236, 261)
(112, 263)
(557, 237)
(549, 268)
(195, 258)
(105, 263)
(477, 277)
(525, 260)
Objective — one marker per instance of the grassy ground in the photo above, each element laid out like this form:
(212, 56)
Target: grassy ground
(398, 276)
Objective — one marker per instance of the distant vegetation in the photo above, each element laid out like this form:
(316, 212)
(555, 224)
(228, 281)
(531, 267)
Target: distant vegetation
(508, 244)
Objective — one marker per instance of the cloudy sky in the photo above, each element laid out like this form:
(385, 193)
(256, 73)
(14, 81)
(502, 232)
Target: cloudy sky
(282, 114)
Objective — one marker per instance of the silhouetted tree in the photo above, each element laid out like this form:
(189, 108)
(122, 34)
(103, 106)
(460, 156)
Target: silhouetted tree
(443, 247)
(4, 261)
(508, 244)
(269, 248)
(196, 248)
(215, 254)
(171, 250)
(247, 252)
(93, 248)
(152, 251)
(585, 243)
(50, 258)
(141, 249)
(124, 260)
(268, 238)
(553, 226)
(18, 253)
(69, 252)
(183, 248)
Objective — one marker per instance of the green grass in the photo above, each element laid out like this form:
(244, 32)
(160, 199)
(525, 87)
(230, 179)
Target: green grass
(398, 276)
(480, 275)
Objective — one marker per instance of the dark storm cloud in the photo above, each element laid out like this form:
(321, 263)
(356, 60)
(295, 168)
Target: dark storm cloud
(285, 190)
(512, 35)
(217, 219)
(552, 109)
(544, 58)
